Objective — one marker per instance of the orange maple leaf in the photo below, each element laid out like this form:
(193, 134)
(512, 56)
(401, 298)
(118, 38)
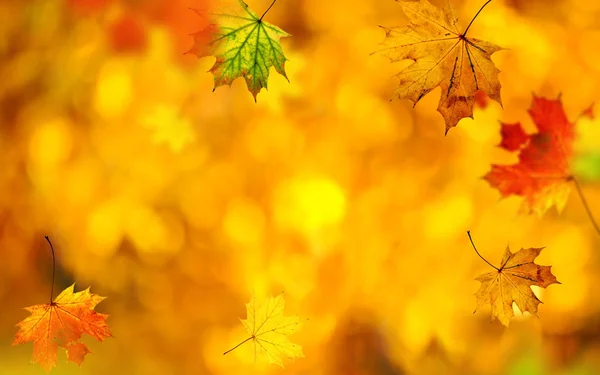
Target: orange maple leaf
(441, 56)
(512, 283)
(542, 174)
(61, 324)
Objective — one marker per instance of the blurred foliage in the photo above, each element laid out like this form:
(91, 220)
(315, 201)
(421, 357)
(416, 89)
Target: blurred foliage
(177, 202)
(588, 166)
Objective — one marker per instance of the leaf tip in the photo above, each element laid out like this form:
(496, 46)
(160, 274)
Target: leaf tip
(589, 112)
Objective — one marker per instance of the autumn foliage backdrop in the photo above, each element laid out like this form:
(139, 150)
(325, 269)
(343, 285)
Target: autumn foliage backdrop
(177, 203)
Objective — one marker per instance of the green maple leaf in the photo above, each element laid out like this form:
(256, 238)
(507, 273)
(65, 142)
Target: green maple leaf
(244, 46)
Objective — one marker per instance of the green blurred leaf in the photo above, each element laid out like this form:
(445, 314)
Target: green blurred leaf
(587, 167)
(528, 364)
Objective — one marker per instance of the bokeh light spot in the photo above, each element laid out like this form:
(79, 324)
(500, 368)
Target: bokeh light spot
(51, 143)
(114, 91)
(448, 216)
(105, 228)
(244, 222)
(169, 127)
(309, 204)
(145, 229)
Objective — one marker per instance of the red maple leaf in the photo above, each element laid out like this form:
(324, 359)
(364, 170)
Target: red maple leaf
(543, 174)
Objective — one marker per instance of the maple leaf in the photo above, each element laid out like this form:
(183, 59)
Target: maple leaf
(61, 324)
(268, 330)
(442, 56)
(512, 283)
(244, 46)
(542, 174)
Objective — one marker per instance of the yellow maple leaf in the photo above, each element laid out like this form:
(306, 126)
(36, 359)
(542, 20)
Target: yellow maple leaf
(268, 330)
(512, 282)
(442, 56)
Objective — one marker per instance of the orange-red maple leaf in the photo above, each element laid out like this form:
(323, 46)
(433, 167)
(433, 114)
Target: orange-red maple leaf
(542, 174)
(61, 324)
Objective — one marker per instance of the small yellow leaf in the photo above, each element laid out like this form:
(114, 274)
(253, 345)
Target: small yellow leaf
(269, 330)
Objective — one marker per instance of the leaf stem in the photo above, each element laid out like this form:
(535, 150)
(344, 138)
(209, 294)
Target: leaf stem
(586, 205)
(235, 347)
(577, 186)
(469, 234)
(53, 269)
(269, 8)
(470, 23)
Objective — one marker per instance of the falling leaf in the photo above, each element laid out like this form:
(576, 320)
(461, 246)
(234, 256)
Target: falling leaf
(512, 283)
(61, 324)
(442, 56)
(268, 330)
(542, 174)
(244, 46)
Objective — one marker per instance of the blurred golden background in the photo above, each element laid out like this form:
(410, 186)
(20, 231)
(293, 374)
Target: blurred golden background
(177, 202)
